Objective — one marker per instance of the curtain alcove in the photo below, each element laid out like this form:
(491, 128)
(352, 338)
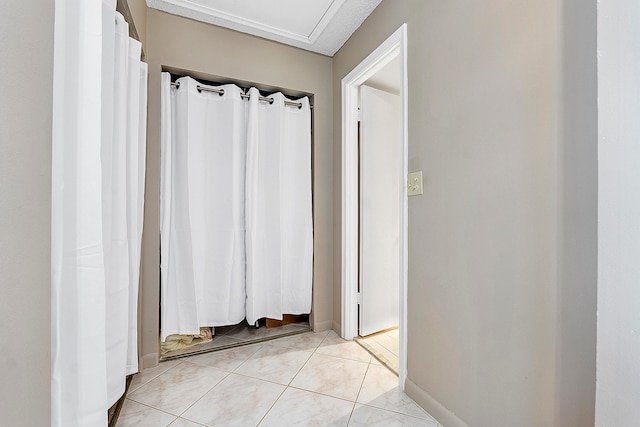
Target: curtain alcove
(236, 217)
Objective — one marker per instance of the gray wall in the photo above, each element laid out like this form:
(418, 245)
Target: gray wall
(208, 51)
(493, 330)
(26, 81)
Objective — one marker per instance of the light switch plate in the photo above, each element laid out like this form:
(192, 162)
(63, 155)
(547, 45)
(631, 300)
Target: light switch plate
(414, 184)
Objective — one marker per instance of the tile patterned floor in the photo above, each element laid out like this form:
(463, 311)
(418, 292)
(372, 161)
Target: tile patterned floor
(384, 346)
(310, 379)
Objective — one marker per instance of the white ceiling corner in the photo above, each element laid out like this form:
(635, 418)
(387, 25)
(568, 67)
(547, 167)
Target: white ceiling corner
(321, 26)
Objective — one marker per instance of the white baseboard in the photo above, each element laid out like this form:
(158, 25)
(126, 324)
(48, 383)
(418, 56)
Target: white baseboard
(432, 406)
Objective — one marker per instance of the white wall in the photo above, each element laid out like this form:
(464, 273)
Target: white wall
(618, 347)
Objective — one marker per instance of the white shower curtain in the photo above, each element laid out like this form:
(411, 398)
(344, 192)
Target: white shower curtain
(205, 168)
(97, 197)
(202, 207)
(279, 217)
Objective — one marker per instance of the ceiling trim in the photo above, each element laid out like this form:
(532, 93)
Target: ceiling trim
(328, 16)
(230, 20)
(337, 24)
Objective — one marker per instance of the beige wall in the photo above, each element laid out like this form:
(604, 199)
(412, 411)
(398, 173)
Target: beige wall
(483, 240)
(206, 50)
(138, 9)
(26, 65)
(491, 315)
(501, 314)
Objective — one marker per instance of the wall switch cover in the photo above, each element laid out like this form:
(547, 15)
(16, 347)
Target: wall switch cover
(414, 184)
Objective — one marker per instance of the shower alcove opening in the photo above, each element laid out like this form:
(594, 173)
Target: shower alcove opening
(260, 327)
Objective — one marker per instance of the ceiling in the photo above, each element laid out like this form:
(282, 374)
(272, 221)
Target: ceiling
(321, 26)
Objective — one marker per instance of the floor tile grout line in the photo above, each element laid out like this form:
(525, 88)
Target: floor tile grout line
(248, 358)
(301, 368)
(152, 407)
(391, 410)
(386, 409)
(331, 356)
(325, 338)
(272, 405)
(241, 375)
(400, 413)
(381, 359)
(207, 392)
(300, 335)
(258, 347)
(362, 383)
(152, 378)
(259, 379)
(346, 358)
(294, 348)
(306, 363)
(353, 409)
(321, 394)
(280, 348)
(186, 419)
(227, 373)
(311, 392)
(235, 371)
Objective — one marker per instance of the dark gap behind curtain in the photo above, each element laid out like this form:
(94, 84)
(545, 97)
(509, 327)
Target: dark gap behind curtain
(265, 90)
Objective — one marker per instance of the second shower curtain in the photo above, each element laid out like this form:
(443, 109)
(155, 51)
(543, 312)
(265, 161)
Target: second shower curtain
(236, 227)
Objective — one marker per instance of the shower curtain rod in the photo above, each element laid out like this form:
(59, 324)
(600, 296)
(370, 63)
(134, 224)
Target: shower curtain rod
(243, 95)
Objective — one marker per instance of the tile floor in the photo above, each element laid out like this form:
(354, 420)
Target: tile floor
(309, 379)
(384, 346)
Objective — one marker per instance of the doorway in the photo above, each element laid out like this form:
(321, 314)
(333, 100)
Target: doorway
(380, 136)
(365, 75)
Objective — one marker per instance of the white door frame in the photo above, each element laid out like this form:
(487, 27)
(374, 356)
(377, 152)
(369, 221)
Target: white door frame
(394, 46)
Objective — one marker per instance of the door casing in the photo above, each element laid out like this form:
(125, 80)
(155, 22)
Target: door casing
(394, 46)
